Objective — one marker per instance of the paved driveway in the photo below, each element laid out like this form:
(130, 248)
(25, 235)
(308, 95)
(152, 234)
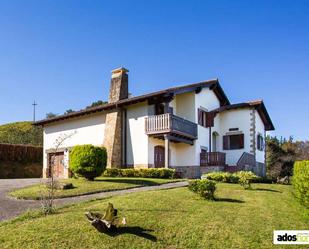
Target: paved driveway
(11, 207)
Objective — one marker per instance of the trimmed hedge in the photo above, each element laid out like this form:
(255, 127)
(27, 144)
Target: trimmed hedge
(205, 188)
(145, 173)
(88, 161)
(300, 181)
(233, 177)
(222, 177)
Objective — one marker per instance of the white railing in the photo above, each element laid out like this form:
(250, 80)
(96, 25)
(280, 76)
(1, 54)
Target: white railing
(158, 123)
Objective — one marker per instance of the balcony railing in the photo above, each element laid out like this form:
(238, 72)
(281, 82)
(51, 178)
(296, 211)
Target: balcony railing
(212, 159)
(168, 123)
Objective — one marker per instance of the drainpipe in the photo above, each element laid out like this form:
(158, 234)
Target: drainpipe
(209, 139)
(124, 138)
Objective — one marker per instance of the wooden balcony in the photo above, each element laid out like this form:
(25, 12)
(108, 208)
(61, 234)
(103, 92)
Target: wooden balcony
(212, 159)
(177, 128)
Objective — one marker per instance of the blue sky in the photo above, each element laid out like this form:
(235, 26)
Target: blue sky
(61, 52)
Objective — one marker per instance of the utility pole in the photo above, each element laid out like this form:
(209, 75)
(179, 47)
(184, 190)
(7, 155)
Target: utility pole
(34, 105)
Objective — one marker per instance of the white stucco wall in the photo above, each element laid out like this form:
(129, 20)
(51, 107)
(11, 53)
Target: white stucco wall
(85, 130)
(259, 127)
(239, 118)
(208, 101)
(137, 140)
(181, 154)
(185, 106)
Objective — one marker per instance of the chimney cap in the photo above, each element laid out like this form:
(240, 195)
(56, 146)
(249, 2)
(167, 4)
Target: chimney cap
(120, 70)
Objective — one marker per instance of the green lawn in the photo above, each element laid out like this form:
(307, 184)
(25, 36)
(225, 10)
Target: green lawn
(175, 218)
(82, 186)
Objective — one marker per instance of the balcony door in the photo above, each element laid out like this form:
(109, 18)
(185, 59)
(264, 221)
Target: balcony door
(159, 156)
(214, 141)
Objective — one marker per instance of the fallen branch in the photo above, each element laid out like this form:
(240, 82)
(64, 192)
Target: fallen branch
(107, 222)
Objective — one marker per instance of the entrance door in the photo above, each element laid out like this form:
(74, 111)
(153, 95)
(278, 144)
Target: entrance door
(159, 156)
(58, 165)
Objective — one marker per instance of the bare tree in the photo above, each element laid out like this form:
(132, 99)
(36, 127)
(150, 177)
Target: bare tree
(47, 200)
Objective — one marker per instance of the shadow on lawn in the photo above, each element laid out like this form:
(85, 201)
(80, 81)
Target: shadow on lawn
(229, 200)
(267, 189)
(130, 181)
(136, 230)
(155, 210)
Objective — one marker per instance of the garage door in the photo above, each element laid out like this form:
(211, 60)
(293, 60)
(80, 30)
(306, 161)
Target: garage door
(56, 161)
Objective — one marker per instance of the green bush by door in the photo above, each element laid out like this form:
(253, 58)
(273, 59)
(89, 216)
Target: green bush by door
(88, 161)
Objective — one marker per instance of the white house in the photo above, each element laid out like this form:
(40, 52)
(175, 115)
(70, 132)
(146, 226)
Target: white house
(191, 128)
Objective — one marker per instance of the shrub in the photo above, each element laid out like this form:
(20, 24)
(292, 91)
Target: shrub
(193, 185)
(145, 173)
(215, 176)
(205, 188)
(300, 181)
(88, 161)
(245, 178)
(222, 177)
(111, 172)
(128, 173)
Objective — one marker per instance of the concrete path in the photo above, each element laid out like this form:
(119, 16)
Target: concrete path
(11, 207)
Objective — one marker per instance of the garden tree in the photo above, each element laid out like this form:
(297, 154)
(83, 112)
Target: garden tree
(96, 103)
(50, 115)
(47, 199)
(88, 161)
(281, 155)
(69, 111)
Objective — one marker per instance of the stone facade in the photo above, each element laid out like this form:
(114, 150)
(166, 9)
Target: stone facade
(209, 169)
(188, 171)
(253, 132)
(260, 169)
(114, 123)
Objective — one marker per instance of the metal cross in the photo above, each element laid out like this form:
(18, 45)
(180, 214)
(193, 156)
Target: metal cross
(34, 105)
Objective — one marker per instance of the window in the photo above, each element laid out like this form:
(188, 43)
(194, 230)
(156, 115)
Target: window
(205, 119)
(260, 142)
(201, 117)
(233, 142)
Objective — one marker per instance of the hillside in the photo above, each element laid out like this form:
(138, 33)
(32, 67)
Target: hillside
(21, 133)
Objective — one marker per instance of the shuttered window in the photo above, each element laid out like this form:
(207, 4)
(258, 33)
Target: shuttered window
(260, 142)
(210, 119)
(233, 142)
(205, 119)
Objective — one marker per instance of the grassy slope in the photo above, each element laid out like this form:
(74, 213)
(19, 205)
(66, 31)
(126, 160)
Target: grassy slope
(82, 186)
(21, 133)
(175, 218)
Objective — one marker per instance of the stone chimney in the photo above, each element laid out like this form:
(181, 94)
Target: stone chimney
(113, 141)
(119, 85)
